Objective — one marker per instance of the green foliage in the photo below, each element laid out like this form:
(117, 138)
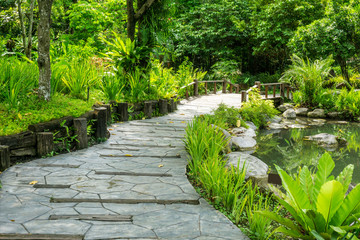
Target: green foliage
(112, 85)
(227, 116)
(257, 110)
(308, 77)
(78, 76)
(138, 84)
(17, 79)
(67, 140)
(348, 102)
(318, 203)
(226, 69)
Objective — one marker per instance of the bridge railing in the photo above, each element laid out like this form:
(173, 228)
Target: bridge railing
(268, 90)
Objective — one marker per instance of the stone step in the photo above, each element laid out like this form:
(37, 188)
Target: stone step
(125, 201)
(38, 185)
(134, 174)
(94, 217)
(40, 236)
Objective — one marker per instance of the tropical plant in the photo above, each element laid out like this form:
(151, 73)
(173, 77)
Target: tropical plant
(137, 85)
(112, 85)
(257, 110)
(307, 76)
(318, 203)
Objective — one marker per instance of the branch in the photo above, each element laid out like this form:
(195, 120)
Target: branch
(143, 9)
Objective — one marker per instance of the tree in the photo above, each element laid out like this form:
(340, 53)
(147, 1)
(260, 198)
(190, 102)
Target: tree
(27, 38)
(134, 17)
(336, 34)
(44, 48)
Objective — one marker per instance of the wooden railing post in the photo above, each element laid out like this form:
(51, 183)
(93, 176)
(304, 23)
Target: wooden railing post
(243, 96)
(214, 87)
(196, 88)
(274, 91)
(288, 91)
(224, 86)
(237, 88)
(266, 91)
(258, 84)
(205, 88)
(231, 88)
(186, 93)
(282, 92)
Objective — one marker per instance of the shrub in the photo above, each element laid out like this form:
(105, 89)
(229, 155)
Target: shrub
(257, 110)
(307, 77)
(348, 102)
(318, 203)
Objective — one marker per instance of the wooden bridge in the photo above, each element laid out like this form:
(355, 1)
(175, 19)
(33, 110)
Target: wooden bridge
(268, 91)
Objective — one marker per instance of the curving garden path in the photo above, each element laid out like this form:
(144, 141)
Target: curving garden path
(131, 187)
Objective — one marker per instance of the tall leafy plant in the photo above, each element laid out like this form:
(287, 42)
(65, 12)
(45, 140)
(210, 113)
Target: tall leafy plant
(318, 203)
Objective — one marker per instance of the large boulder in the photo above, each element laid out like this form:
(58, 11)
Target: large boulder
(254, 166)
(289, 114)
(302, 112)
(251, 125)
(243, 143)
(317, 113)
(285, 106)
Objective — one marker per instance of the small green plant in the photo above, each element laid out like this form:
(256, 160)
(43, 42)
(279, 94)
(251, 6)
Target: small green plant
(112, 85)
(257, 110)
(318, 203)
(66, 140)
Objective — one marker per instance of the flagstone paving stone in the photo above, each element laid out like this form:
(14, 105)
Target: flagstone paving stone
(153, 146)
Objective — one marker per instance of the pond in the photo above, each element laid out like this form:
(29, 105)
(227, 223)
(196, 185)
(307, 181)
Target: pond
(288, 149)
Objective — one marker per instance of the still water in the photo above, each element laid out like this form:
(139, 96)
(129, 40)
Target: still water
(289, 150)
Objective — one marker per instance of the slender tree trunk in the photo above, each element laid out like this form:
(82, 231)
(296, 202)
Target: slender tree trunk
(344, 70)
(44, 48)
(22, 24)
(31, 20)
(131, 22)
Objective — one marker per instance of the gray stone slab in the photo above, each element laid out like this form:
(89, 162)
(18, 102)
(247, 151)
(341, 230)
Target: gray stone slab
(57, 227)
(119, 231)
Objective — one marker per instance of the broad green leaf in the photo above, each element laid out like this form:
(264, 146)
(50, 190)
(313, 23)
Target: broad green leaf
(349, 206)
(277, 218)
(345, 176)
(329, 199)
(324, 169)
(307, 183)
(299, 218)
(338, 229)
(317, 219)
(317, 235)
(294, 190)
(292, 233)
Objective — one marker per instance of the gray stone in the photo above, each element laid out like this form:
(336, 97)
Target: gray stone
(317, 113)
(244, 132)
(302, 112)
(276, 126)
(335, 115)
(296, 126)
(326, 140)
(254, 166)
(275, 119)
(251, 125)
(284, 107)
(243, 143)
(289, 114)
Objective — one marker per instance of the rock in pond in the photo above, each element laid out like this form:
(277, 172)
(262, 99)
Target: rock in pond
(251, 125)
(254, 166)
(276, 126)
(243, 143)
(244, 132)
(317, 113)
(289, 114)
(326, 140)
(335, 115)
(284, 107)
(302, 112)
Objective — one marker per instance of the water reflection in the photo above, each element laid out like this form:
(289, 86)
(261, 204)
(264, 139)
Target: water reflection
(289, 150)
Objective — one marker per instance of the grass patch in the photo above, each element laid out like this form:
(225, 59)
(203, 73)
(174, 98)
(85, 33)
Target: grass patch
(34, 111)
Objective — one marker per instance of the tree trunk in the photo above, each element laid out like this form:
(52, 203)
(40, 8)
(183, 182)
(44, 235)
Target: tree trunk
(44, 48)
(344, 70)
(31, 22)
(131, 22)
(22, 24)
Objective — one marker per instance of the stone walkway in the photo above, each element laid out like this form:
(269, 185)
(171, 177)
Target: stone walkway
(131, 187)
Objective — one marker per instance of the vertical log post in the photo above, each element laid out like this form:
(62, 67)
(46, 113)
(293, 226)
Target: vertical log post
(175, 105)
(214, 87)
(187, 93)
(44, 143)
(80, 125)
(205, 88)
(274, 91)
(101, 130)
(108, 113)
(287, 92)
(4, 157)
(266, 91)
(231, 88)
(163, 106)
(224, 86)
(243, 96)
(196, 88)
(237, 88)
(123, 113)
(148, 109)
(171, 107)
